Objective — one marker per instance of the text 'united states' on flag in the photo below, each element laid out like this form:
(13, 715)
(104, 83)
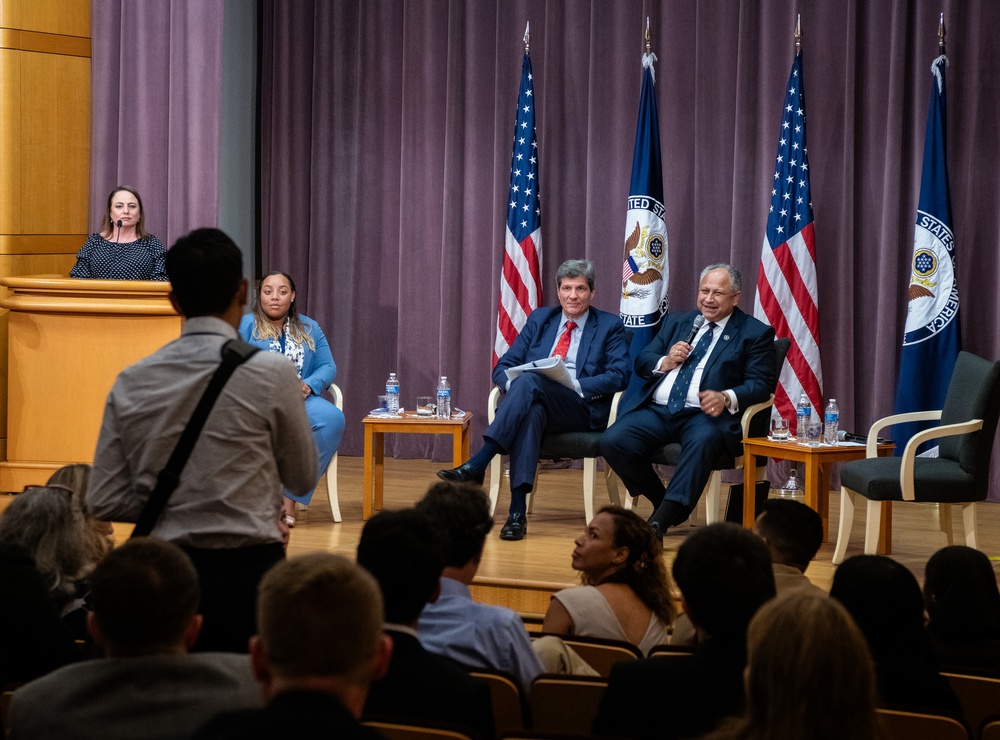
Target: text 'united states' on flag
(520, 283)
(787, 296)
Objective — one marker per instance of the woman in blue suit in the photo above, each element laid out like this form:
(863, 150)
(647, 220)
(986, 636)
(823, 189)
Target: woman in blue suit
(274, 325)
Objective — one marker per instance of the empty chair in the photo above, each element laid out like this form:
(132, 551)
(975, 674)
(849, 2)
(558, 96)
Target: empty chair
(565, 704)
(904, 725)
(508, 704)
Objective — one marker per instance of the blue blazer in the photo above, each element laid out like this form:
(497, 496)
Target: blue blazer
(601, 360)
(318, 367)
(742, 360)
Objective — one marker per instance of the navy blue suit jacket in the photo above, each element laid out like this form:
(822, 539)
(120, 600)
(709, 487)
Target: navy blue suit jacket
(742, 361)
(601, 360)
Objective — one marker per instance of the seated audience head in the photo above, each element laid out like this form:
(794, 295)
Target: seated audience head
(619, 547)
(406, 562)
(961, 595)
(144, 597)
(320, 620)
(459, 515)
(793, 532)
(809, 673)
(205, 269)
(724, 574)
(42, 521)
(100, 535)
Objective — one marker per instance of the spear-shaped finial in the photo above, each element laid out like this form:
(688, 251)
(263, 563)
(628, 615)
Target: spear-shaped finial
(941, 33)
(648, 45)
(798, 33)
(527, 36)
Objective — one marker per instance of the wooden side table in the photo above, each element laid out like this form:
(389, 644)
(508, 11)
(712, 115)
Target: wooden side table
(376, 427)
(817, 477)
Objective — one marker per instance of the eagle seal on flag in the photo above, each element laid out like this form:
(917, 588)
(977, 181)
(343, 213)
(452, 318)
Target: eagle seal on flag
(933, 292)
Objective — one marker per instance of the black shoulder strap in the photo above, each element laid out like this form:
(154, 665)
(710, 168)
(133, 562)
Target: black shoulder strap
(234, 354)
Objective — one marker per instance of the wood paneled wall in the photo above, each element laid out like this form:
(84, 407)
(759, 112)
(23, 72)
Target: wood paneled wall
(44, 144)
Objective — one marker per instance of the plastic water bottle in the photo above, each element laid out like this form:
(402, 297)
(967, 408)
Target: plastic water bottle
(802, 413)
(392, 391)
(831, 422)
(444, 398)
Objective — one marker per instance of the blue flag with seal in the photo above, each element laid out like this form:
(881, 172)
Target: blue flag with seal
(932, 338)
(645, 272)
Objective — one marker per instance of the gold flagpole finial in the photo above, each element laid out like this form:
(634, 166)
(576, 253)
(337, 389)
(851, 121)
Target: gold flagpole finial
(941, 33)
(798, 33)
(527, 36)
(648, 45)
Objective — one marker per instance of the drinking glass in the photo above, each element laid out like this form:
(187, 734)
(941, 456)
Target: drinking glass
(426, 406)
(779, 429)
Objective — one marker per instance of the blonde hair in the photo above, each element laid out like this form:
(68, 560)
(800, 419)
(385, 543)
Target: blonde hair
(76, 478)
(264, 329)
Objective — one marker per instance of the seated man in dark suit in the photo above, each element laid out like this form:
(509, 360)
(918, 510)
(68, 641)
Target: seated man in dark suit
(420, 686)
(144, 596)
(593, 347)
(318, 648)
(698, 381)
(724, 574)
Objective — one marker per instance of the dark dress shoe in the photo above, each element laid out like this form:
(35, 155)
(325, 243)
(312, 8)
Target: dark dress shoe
(657, 532)
(462, 474)
(515, 527)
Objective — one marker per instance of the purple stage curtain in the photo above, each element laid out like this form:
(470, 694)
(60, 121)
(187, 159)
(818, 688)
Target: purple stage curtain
(156, 84)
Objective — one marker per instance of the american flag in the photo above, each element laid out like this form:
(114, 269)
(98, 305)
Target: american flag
(520, 284)
(787, 297)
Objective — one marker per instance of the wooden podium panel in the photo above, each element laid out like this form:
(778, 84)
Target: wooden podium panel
(67, 341)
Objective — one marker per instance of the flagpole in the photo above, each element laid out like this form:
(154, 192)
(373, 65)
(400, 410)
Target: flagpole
(798, 34)
(527, 37)
(649, 46)
(941, 33)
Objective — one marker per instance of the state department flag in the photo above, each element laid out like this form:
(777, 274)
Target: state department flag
(932, 338)
(520, 282)
(644, 270)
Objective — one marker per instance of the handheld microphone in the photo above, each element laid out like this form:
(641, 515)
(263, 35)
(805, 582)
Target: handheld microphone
(843, 436)
(699, 321)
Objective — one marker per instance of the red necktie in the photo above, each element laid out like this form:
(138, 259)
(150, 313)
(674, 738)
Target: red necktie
(562, 346)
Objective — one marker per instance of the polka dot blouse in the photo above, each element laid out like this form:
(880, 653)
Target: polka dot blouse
(105, 260)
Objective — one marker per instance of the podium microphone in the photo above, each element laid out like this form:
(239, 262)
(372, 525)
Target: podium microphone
(699, 321)
(119, 225)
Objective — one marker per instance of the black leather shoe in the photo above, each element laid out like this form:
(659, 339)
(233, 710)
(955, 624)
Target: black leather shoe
(462, 474)
(669, 514)
(656, 531)
(515, 527)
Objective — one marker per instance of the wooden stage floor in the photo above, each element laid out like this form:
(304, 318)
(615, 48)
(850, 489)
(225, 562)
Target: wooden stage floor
(521, 575)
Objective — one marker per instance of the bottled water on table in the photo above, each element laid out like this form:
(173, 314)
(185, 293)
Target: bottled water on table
(392, 393)
(802, 413)
(444, 398)
(831, 422)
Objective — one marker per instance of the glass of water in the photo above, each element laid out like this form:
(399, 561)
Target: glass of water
(779, 429)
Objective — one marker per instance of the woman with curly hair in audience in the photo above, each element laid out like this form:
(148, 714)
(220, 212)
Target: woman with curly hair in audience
(99, 534)
(626, 592)
(809, 675)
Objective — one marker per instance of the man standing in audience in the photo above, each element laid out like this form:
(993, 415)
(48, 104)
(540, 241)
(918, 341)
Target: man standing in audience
(473, 634)
(225, 511)
(420, 686)
(144, 596)
(724, 574)
(793, 534)
(319, 648)
(702, 369)
(594, 351)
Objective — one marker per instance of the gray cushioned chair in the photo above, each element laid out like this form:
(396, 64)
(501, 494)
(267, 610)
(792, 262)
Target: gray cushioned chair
(960, 473)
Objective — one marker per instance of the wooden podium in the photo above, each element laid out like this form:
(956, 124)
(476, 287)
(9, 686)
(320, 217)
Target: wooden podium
(68, 340)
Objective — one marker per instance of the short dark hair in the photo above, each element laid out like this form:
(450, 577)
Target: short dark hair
(793, 531)
(724, 573)
(395, 548)
(459, 514)
(144, 594)
(205, 268)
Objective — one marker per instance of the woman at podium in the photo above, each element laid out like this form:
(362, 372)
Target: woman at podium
(275, 325)
(122, 249)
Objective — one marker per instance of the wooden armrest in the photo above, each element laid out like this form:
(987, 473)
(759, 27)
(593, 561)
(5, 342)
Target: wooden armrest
(887, 421)
(491, 404)
(752, 411)
(910, 453)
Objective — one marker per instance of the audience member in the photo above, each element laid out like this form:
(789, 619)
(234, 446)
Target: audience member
(960, 592)
(144, 595)
(594, 352)
(724, 574)
(34, 640)
(100, 535)
(420, 686)
(626, 590)
(885, 601)
(473, 634)
(43, 522)
(809, 675)
(793, 534)
(319, 648)
(226, 510)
